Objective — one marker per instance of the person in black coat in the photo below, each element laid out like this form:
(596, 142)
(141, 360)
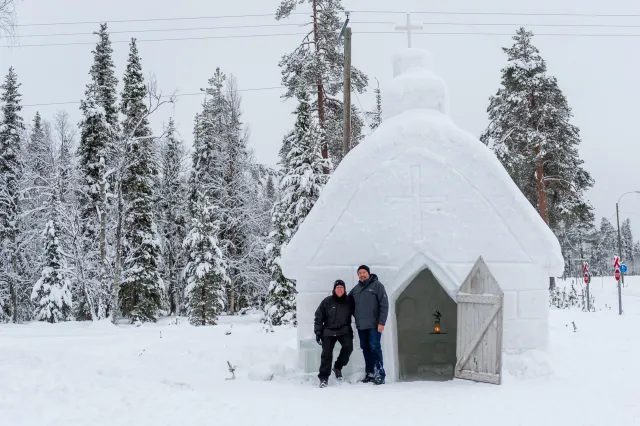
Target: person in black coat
(333, 324)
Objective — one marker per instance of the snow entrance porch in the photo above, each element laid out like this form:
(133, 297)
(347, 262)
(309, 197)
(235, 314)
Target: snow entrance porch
(420, 201)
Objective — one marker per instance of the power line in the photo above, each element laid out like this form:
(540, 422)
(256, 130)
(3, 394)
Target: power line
(437, 12)
(156, 40)
(153, 30)
(301, 34)
(502, 34)
(455, 24)
(382, 12)
(186, 18)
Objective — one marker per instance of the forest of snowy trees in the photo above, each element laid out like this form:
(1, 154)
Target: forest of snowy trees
(105, 219)
(109, 218)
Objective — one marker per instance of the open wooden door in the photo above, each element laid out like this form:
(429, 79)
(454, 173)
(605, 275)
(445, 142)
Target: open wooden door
(480, 311)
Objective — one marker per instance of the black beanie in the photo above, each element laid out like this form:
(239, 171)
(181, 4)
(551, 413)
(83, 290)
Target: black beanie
(365, 267)
(339, 282)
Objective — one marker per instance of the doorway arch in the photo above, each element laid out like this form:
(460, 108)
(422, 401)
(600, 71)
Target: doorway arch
(423, 354)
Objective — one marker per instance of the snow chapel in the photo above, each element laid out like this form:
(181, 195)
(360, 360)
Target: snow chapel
(422, 203)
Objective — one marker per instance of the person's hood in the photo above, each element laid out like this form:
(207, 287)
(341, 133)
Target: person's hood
(334, 290)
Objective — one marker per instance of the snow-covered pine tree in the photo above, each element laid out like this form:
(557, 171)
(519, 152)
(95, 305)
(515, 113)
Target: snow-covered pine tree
(141, 289)
(626, 237)
(335, 130)
(531, 133)
(173, 216)
(98, 133)
(39, 149)
(206, 270)
(52, 292)
(300, 188)
(605, 249)
(375, 116)
(65, 135)
(11, 168)
(317, 64)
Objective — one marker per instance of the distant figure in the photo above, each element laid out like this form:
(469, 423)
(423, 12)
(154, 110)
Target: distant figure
(333, 324)
(371, 310)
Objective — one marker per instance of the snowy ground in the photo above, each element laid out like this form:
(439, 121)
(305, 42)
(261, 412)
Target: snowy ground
(174, 374)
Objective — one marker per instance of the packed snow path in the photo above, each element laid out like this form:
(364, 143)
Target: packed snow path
(174, 374)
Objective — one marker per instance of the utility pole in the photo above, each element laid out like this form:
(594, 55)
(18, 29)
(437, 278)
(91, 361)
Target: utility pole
(346, 141)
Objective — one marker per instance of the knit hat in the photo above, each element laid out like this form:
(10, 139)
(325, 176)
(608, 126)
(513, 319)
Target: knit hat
(365, 267)
(339, 282)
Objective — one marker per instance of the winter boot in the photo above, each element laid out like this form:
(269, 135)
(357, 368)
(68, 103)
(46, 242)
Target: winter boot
(338, 373)
(378, 380)
(323, 383)
(367, 379)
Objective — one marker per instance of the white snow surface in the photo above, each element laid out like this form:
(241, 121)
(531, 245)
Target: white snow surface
(95, 374)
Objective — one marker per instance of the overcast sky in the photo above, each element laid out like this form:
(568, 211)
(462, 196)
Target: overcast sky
(599, 75)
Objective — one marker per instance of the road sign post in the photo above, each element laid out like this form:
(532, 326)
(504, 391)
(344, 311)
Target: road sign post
(616, 266)
(587, 279)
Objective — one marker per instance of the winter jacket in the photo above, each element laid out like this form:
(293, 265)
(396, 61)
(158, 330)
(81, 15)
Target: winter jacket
(333, 316)
(371, 303)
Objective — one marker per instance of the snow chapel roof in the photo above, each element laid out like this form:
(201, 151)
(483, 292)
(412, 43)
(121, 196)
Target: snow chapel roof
(416, 122)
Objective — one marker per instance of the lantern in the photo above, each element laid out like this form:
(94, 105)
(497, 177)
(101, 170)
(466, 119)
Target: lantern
(436, 325)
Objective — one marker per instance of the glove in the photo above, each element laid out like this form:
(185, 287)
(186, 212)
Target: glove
(319, 339)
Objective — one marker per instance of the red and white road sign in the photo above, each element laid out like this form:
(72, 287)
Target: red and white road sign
(616, 262)
(586, 278)
(617, 274)
(585, 268)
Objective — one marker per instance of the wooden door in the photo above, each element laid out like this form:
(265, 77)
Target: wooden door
(480, 311)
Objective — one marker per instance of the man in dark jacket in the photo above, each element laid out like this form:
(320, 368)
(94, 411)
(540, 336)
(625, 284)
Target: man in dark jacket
(333, 324)
(371, 310)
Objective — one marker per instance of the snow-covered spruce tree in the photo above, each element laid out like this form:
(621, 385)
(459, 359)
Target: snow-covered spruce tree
(141, 289)
(335, 130)
(626, 237)
(173, 216)
(39, 149)
(98, 134)
(11, 126)
(317, 64)
(605, 249)
(206, 270)
(52, 292)
(531, 133)
(300, 188)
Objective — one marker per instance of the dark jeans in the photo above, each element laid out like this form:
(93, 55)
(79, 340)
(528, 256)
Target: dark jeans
(328, 343)
(372, 351)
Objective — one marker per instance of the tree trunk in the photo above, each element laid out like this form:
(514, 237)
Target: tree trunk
(321, 112)
(203, 302)
(13, 290)
(542, 192)
(118, 261)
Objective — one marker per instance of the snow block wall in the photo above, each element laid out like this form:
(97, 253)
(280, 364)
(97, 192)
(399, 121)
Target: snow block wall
(418, 194)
